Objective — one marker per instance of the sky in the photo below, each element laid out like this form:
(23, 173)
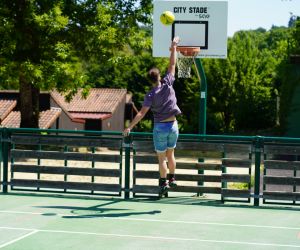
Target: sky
(252, 14)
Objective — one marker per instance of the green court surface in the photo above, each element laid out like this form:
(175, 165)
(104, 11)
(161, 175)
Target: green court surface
(37, 222)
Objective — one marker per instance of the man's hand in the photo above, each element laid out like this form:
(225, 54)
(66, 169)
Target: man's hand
(139, 116)
(126, 132)
(175, 41)
(172, 64)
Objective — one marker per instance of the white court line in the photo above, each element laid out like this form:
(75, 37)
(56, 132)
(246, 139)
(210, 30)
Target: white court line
(20, 238)
(164, 221)
(152, 237)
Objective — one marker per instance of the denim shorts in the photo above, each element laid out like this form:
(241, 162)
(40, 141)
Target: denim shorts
(165, 135)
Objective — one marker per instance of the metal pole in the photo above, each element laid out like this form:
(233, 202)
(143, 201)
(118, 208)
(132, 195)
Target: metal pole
(203, 96)
(258, 150)
(1, 157)
(126, 145)
(202, 110)
(5, 149)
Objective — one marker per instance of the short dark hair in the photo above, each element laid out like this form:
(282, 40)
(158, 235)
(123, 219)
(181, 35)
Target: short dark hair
(153, 75)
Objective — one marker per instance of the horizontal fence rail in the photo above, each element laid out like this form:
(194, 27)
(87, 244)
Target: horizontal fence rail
(63, 162)
(231, 168)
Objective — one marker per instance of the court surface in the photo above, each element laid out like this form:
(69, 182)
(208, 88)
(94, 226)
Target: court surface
(37, 222)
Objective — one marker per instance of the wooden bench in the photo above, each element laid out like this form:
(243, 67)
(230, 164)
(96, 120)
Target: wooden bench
(29, 171)
(192, 175)
(281, 179)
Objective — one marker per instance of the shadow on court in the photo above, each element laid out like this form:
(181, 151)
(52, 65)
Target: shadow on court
(101, 210)
(98, 211)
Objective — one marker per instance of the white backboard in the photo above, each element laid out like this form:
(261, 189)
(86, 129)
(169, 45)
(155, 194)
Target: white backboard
(198, 24)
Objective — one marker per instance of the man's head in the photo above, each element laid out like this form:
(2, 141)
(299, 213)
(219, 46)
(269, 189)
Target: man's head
(154, 75)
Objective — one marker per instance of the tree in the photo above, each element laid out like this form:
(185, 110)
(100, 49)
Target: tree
(242, 87)
(50, 44)
(289, 74)
(292, 20)
(34, 53)
(296, 36)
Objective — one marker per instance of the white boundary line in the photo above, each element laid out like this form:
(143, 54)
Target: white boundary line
(19, 238)
(164, 221)
(145, 237)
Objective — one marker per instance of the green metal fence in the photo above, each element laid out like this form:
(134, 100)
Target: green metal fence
(232, 168)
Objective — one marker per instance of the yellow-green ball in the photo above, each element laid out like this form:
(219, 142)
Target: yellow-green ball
(167, 18)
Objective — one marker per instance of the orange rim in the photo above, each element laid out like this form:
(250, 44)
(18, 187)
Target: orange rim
(188, 51)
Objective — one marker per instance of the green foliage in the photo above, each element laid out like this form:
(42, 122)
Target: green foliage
(296, 37)
(54, 44)
(288, 74)
(289, 77)
(242, 88)
(67, 45)
(188, 97)
(36, 35)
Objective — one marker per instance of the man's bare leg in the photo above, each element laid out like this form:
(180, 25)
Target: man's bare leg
(163, 171)
(172, 167)
(171, 160)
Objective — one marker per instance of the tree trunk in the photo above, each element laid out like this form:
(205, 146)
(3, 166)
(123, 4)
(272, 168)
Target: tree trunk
(27, 50)
(29, 104)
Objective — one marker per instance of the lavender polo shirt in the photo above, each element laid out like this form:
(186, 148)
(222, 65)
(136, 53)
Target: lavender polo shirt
(162, 99)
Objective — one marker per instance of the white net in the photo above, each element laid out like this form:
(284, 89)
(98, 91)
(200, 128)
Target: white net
(184, 64)
(185, 60)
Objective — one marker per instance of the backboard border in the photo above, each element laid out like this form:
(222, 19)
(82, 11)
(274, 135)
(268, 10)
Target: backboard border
(192, 22)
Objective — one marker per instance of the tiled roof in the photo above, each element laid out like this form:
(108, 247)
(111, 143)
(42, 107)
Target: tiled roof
(98, 100)
(47, 118)
(12, 120)
(97, 116)
(6, 106)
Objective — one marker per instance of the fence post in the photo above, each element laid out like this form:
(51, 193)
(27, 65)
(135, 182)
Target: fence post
(258, 150)
(5, 148)
(126, 145)
(200, 171)
(1, 158)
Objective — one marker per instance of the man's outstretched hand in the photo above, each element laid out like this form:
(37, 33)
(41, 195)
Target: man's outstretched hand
(175, 41)
(126, 131)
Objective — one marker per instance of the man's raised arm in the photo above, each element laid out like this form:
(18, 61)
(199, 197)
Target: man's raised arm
(172, 65)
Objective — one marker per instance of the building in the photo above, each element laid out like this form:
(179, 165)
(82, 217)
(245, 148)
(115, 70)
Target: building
(10, 117)
(103, 109)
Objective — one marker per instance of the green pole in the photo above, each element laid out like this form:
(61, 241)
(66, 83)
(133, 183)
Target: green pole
(5, 149)
(126, 145)
(203, 96)
(258, 150)
(66, 149)
(202, 110)
(0, 156)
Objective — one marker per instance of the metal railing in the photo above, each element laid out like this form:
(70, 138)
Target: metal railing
(257, 144)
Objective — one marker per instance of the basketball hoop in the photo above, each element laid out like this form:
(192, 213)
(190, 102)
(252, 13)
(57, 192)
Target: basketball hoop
(185, 59)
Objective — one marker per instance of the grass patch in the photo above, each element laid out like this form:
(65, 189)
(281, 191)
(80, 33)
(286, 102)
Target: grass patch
(197, 154)
(241, 186)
